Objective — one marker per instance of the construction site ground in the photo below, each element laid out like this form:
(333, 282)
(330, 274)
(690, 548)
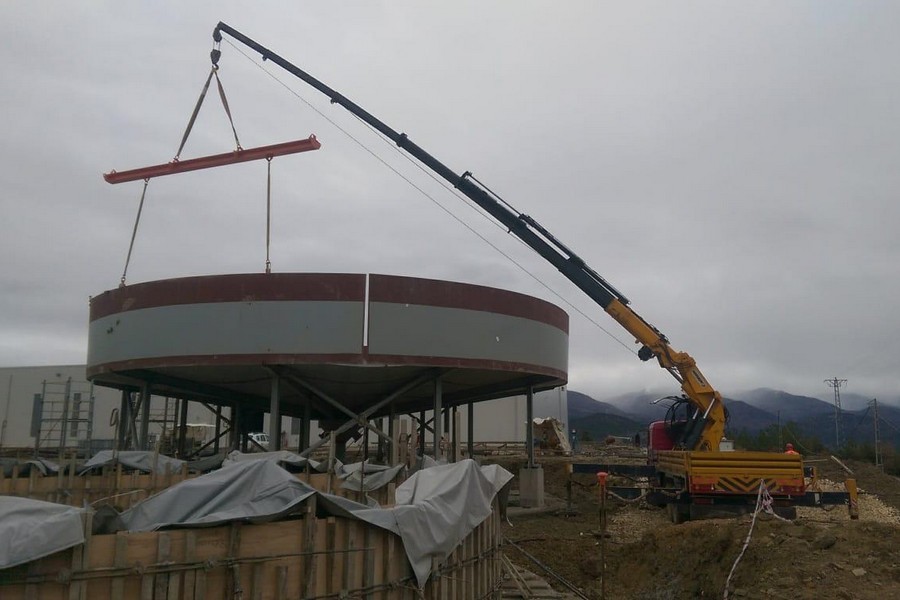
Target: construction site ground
(823, 554)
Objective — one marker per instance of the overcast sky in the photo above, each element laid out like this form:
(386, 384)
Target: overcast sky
(730, 167)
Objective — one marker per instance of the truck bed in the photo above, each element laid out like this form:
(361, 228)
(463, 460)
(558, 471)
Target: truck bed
(733, 472)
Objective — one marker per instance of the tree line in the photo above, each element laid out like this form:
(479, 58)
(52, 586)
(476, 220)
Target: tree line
(774, 439)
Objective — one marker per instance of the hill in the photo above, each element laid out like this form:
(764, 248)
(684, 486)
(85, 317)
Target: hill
(749, 411)
(745, 417)
(791, 407)
(601, 425)
(640, 406)
(581, 405)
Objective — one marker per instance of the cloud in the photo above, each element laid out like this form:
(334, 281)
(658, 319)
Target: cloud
(730, 169)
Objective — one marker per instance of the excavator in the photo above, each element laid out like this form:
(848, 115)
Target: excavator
(691, 463)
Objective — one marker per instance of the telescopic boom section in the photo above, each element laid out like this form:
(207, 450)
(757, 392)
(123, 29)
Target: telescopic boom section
(709, 424)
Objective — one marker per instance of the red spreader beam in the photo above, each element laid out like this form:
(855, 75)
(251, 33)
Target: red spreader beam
(217, 160)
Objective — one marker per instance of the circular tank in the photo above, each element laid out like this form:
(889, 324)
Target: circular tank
(354, 339)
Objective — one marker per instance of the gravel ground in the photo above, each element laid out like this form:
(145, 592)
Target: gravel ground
(821, 555)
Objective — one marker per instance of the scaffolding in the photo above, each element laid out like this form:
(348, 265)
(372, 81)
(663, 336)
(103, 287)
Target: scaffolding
(63, 417)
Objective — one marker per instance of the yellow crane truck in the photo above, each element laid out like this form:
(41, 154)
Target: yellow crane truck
(690, 463)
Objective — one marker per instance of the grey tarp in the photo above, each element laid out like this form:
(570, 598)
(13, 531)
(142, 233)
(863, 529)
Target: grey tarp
(436, 507)
(251, 490)
(140, 460)
(207, 463)
(44, 467)
(373, 478)
(31, 529)
(280, 456)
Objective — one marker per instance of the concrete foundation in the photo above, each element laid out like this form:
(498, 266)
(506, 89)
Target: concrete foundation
(531, 487)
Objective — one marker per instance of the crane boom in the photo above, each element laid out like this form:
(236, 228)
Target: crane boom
(706, 425)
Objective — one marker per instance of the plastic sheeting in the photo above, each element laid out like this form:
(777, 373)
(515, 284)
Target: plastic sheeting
(354, 478)
(257, 490)
(145, 461)
(32, 529)
(436, 507)
(373, 477)
(44, 467)
(279, 456)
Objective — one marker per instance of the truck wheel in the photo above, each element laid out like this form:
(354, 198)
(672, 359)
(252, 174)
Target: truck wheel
(677, 513)
(786, 512)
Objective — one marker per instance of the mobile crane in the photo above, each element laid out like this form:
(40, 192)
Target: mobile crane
(689, 457)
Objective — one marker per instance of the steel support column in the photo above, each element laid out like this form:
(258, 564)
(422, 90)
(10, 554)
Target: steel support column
(218, 428)
(305, 427)
(470, 427)
(529, 430)
(65, 416)
(379, 453)
(454, 438)
(122, 427)
(438, 400)
(275, 413)
(145, 417)
(182, 428)
(422, 427)
(361, 418)
(392, 430)
(410, 385)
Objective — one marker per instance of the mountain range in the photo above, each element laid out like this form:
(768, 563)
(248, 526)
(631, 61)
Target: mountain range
(749, 412)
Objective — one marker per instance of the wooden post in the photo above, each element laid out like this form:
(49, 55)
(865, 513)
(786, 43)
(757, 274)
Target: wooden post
(190, 552)
(234, 545)
(281, 583)
(80, 560)
(853, 504)
(309, 541)
(329, 470)
(163, 554)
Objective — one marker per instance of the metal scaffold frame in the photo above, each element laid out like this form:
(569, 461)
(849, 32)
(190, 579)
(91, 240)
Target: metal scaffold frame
(63, 412)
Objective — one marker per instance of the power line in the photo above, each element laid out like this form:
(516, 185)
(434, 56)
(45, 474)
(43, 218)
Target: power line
(836, 384)
(878, 460)
(424, 193)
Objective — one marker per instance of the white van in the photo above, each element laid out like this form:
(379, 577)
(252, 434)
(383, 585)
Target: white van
(260, 438)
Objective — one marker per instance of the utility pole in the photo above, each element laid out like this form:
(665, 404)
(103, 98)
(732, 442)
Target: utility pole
(836, 384)
(879, 463)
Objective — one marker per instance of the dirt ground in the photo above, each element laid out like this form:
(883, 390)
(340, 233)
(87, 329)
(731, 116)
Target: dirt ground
(821, 555)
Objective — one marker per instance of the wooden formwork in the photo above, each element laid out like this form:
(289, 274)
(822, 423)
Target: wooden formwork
(124, 489)
(305, 557)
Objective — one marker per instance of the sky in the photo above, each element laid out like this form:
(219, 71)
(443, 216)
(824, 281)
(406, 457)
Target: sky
(730, 167)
